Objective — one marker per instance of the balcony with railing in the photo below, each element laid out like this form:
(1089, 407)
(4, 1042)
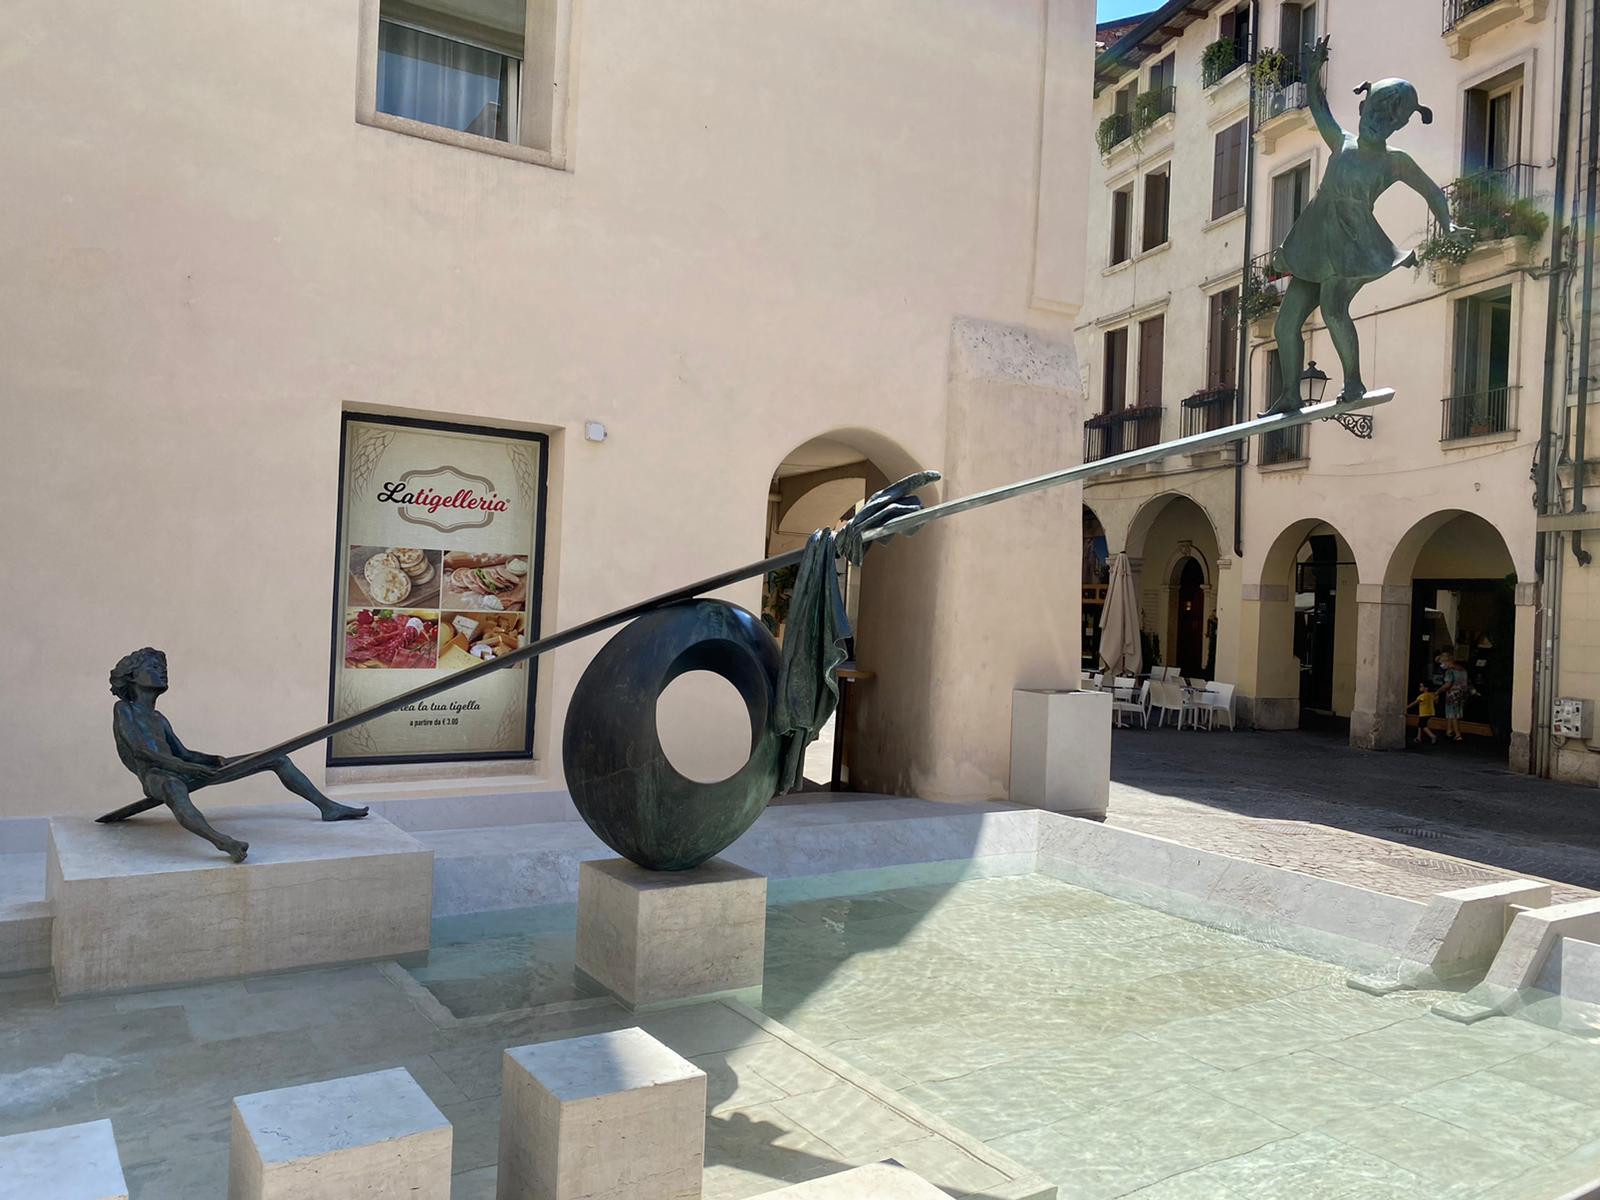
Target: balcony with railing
(1501, 208)
(1121, 431)
(1280, 80)
(1151, 106)
(1264, 286)
(1208, 409)
(1455, 11)
(1476, 414)
(1123, 127)
(1467, 20)
(1113, 131)
(1222, 58)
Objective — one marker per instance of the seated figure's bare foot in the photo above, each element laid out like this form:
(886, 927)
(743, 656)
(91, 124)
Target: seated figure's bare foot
(234, 848)
(1354, 389)
(334, 811)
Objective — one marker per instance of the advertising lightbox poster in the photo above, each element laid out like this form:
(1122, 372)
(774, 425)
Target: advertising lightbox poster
(441, 541)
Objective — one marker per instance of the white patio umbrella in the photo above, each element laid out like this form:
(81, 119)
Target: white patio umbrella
(1119, 622)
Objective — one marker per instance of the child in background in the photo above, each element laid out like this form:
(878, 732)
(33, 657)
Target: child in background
(1424, 704)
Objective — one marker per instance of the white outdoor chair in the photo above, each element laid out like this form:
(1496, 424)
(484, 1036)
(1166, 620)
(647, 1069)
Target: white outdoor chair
(1217, 704)
(1137, 705)
(1167, 698)
(1123, 686)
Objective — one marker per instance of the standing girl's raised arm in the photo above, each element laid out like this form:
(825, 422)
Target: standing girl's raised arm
(1317, 97)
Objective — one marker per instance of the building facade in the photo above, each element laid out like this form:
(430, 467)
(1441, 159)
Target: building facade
(674, 243)
(1332, 568)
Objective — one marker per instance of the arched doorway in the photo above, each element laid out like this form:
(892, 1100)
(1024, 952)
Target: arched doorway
(1306, 631)
(1096, 576)
(820, 483)
(1173, 544)
(1189, 646)
(1462, 580)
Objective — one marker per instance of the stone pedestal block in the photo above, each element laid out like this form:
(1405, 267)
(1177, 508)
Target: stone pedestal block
(146, 903)
(358, 1138)
(662, 937)
(877, 1181)
(73, 1162)
(613, 1116)
(1061, 750)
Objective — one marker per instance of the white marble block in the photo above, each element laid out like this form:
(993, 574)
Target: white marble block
(662, 937)
(358, 1138)
(876, 1181)
(72, 1162)
(613, 1116)
(1061, 751)
(146, 903)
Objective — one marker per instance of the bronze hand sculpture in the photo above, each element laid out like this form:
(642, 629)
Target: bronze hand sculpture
(1336, 245)
(169, 770)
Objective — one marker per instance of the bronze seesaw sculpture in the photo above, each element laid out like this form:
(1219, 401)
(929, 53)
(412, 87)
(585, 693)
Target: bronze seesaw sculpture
(616, 770)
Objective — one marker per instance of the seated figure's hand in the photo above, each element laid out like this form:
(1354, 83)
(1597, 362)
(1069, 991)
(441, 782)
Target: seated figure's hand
(1317, 55)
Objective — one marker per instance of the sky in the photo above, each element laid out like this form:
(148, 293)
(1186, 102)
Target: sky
(1110, 10)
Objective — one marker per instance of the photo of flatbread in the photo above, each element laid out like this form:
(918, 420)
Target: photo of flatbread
(470, 639)
(395, 576)
(486, 582)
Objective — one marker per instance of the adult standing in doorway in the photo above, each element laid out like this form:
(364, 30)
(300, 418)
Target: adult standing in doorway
(1454, 686)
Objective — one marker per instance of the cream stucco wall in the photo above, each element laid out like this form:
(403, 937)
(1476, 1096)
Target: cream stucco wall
(774, 215)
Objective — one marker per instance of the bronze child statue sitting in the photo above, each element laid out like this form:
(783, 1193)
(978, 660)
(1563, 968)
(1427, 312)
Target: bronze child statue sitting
(169, 770)
(1336, 246)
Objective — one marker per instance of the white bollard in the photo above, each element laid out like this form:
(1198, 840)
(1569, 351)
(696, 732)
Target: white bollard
(612, 1116)
(71, 1162)
(655, 938)
(364, 1136)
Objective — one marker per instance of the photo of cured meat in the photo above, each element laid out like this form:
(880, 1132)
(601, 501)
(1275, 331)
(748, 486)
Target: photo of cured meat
(396, 639)
(485, 582)
(395, 575)
(467, 639)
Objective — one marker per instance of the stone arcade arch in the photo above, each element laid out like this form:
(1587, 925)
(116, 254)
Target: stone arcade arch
(1172, 542)
(1451, 583)
(1299, 630)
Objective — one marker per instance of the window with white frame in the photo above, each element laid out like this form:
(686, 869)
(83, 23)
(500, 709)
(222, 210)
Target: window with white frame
(459, 70)
(1481, 383)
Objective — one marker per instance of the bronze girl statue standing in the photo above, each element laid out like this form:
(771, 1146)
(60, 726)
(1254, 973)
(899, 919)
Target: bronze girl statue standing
(1336, 245)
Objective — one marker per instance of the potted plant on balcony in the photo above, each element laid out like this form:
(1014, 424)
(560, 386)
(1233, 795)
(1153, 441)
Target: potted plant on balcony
(1271, 69)
(1218, 61)
(1146, 112)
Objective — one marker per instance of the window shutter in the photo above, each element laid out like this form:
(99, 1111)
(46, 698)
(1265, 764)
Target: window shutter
(1152, 334)
(1289, 33)
(1116, 371)
(1155, 209)
(1474, 131)
(1121, 218)
(1227, 175)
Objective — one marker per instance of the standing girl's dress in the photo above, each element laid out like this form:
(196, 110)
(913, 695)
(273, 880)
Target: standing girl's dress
(1337, 236)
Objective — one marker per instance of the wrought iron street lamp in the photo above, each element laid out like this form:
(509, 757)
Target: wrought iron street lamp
(1312, 384)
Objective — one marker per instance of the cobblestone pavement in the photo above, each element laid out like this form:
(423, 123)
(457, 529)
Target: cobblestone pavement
(1407, 823)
